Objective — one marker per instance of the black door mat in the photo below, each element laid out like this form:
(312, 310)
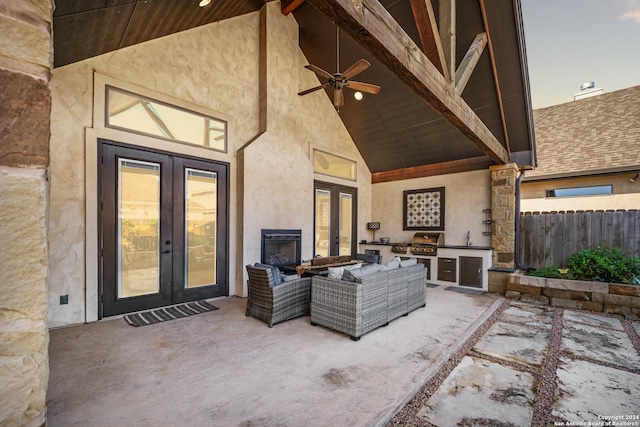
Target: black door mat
(465, 290)
(432, 285)
(169, 313)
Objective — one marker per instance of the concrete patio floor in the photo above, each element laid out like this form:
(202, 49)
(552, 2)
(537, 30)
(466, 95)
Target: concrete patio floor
(464, 359)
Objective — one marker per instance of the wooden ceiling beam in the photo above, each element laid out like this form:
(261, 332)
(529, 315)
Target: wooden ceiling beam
(469, 62)
(495, 75)
(454, 166)
(425, 19)
(288, 6)
(447, 25)
(371, 25)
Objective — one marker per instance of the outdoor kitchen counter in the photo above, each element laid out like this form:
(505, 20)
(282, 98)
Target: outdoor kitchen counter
(478, 248)
(459, 261)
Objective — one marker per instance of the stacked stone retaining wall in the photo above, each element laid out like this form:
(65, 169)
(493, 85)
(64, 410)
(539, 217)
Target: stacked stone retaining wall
(593, 296)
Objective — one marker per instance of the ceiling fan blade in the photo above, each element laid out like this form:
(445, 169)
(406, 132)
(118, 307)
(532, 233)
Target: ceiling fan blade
(356, 68)
(364, 87)
(313, 89)
(338, 98)
(319, 71)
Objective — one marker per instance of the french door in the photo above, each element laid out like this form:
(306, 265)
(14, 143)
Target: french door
(163, 229)
(335, 219)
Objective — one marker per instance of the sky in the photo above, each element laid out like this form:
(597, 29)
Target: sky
(571, 42)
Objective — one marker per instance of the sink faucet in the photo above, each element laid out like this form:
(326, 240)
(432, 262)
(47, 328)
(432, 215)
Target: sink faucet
(469, 241)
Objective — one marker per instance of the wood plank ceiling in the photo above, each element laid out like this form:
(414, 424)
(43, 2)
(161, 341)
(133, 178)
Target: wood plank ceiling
(433, 114)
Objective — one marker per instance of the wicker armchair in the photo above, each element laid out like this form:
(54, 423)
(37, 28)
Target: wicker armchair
(275, 304)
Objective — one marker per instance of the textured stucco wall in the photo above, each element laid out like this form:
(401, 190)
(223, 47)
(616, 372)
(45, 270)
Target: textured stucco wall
(25, 61)
(466, 195)
(626, 195)
(279, 172)
(215, 67)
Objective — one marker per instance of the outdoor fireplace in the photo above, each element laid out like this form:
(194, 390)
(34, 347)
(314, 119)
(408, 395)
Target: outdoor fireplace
(281, 248)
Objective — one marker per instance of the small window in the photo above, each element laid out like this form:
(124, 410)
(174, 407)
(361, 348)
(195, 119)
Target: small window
(598, 190)
(128, 111)
(329, 164)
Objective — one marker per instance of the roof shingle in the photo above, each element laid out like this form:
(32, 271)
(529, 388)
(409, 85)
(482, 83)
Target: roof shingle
(589, 136)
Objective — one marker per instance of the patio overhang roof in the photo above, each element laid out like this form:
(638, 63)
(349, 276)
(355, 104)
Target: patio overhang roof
(455, 92)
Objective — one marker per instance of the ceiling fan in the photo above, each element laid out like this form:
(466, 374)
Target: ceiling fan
(341, 80)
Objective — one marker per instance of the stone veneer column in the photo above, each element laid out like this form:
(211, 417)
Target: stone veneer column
(503, 214)
(25, 106)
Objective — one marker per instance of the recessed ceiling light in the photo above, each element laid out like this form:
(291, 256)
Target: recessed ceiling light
(203, 3)
(358, 96)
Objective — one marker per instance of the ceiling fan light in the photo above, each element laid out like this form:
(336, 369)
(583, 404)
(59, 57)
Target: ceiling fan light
(358, 96)
(203, 3)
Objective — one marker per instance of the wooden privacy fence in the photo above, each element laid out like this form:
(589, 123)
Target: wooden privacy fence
(550, 238)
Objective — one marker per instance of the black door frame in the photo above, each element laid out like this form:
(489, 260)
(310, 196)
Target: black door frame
(335, 190)
(173, 271)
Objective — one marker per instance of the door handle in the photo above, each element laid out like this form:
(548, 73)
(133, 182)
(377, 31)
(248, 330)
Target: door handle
(168, 251)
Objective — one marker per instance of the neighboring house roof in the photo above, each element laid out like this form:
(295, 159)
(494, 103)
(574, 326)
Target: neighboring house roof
(588, 137)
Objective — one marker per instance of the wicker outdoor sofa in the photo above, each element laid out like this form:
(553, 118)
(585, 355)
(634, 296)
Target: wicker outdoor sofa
(373, 300)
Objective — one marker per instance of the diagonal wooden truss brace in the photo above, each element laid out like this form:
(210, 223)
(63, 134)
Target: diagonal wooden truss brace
(288, 6)
(441, 38)
(447, 31)
(468, 64)
(425, 18)
(440, 46)
(369, 23)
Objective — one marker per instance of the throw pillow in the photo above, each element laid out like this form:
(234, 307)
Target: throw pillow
(408, 262)
(391, 265)
(337, 272)
(355, 274)
(275, 272)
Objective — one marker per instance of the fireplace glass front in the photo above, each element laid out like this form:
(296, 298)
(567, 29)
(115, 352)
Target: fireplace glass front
(281, 248)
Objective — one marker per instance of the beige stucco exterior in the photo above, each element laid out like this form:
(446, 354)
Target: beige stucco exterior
(212, 69)
(626, 194)
(215, 69)
(467, 194)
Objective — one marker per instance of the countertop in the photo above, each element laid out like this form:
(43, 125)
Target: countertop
(482, 248)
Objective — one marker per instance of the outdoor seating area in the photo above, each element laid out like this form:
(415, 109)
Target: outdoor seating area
(348, 296)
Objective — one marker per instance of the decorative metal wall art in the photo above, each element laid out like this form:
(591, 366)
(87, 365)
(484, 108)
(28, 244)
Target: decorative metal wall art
(424, 209)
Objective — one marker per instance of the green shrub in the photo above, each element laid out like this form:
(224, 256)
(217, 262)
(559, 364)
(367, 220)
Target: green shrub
(604, 264)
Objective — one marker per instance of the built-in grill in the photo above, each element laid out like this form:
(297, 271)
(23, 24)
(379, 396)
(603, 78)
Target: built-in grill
(426, 243)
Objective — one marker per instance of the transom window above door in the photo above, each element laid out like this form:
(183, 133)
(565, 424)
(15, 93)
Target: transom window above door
(329, 164)
(128, 111)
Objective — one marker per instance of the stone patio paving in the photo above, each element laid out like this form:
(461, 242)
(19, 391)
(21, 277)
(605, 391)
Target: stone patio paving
(532, 365)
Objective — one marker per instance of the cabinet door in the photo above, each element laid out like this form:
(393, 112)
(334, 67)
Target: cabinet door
(427, 264)
(471, 271)
(447, 269)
